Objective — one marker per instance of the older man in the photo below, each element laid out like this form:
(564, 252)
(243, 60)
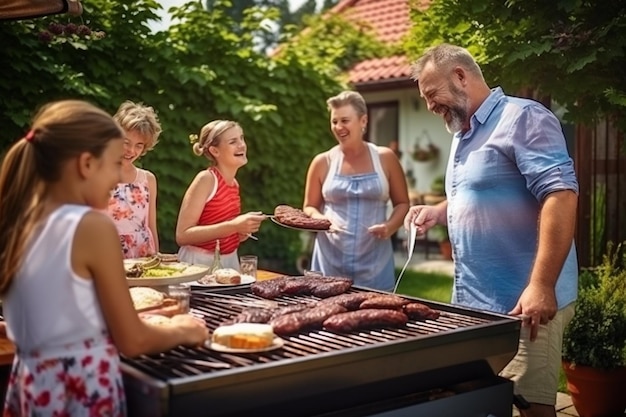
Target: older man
(510, 210)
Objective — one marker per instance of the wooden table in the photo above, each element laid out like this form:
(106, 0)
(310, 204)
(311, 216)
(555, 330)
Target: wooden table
(263, 275)
(7, 349)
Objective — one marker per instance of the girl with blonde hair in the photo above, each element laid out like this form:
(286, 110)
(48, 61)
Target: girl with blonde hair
(211, 208)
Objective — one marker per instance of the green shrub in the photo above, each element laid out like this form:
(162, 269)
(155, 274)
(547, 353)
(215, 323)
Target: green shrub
(596, 336)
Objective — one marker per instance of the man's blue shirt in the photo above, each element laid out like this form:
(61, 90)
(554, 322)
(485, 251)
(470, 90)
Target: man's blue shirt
(499, 173)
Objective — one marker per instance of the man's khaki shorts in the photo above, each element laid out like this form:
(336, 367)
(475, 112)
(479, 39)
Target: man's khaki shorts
(535, 368)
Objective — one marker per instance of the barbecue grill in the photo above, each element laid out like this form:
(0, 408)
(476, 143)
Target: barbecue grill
(435, 368)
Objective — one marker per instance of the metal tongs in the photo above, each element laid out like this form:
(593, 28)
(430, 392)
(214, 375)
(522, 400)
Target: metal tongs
(231, 299)
(410, 248)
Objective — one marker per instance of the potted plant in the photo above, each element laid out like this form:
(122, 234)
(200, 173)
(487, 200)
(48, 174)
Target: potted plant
(437, 191)
(594, 343)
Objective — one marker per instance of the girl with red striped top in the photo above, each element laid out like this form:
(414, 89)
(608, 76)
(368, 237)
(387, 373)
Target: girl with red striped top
(211, 207)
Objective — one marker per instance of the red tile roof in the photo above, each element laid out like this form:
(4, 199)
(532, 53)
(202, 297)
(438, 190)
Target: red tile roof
(388, 18)
(378, 69)
(390, 21)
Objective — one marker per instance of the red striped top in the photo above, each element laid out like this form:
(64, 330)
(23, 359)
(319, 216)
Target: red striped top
(225, 205)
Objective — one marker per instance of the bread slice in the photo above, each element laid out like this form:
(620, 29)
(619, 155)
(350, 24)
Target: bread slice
(244, 336)
(145, 298)
(227, 276)
(169, 308)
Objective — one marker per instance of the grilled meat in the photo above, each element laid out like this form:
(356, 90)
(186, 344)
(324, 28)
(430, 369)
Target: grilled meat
(322, 287)
(384, 301)
(350, 301)
(306, 319)
(330, 286)
(295, 217)
(269, 289)
(365, 319)
(419, 311)
(264, 315)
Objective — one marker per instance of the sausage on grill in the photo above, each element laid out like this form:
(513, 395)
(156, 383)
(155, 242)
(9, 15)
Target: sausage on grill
(364, 319)
(419, 311)
(384, 301)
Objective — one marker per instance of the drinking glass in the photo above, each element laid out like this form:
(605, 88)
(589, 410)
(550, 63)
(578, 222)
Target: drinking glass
(248, 265)
(182, 294)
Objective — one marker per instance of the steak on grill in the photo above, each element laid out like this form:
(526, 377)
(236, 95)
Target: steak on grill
(350, 301)
(322, 287)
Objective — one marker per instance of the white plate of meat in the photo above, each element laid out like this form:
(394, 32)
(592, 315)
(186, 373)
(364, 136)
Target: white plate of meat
(209, 281)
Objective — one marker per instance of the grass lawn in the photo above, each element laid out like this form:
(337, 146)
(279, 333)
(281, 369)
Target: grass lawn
(438, 287)
(429, 286)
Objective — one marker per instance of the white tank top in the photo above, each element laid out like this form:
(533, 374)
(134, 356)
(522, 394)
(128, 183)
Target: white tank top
(48, 305)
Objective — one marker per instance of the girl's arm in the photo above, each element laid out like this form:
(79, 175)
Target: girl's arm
(96, 255)
(152, 214)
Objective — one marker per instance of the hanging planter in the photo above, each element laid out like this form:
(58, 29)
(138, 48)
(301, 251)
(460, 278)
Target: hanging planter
(425, 150)
(430, 153)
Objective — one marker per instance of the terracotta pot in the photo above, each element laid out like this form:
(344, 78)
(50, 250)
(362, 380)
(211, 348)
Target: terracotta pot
(596, 392)
(446, 249)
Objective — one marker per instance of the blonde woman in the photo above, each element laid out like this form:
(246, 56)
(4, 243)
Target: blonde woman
(211, 208)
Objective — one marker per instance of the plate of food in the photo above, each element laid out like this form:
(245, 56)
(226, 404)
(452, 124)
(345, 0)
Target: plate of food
(244, 338)
(224, 277)
(152, 271)
(294, 218)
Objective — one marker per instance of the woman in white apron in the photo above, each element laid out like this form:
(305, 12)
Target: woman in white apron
(351, 185)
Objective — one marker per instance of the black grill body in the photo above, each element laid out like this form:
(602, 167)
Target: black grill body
(429, 367)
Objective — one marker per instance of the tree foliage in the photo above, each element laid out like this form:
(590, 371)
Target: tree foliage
(196, 71)
(278, 17)
(571, 50)
(332, 45)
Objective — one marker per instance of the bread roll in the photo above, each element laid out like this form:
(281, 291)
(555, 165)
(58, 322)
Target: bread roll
(227, 276)
(146, 298)
(244, 336)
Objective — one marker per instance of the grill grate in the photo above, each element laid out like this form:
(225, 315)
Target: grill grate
(183, 362)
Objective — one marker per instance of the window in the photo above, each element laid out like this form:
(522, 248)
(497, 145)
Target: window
(383, 123)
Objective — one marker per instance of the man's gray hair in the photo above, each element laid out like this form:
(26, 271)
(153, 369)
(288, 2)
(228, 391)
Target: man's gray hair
(444, 57)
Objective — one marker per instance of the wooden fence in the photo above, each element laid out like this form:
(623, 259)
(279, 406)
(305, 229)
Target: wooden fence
(600, 162)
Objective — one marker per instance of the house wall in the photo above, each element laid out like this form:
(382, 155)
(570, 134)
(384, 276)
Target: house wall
(416, 126)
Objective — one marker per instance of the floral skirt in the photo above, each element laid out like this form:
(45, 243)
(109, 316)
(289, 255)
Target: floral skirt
(82, 379)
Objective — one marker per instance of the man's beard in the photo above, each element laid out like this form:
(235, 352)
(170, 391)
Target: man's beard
(458, 112)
